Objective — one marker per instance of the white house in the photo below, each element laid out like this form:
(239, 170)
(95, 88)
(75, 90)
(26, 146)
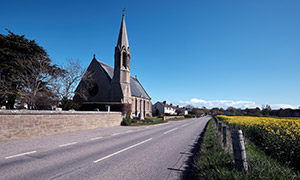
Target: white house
(163, 107)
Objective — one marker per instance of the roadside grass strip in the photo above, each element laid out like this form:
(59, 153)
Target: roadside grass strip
(213, 162)
(118, 152)
(18, 155)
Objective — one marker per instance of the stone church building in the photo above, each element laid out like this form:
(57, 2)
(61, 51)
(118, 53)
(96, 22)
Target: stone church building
(104, 86)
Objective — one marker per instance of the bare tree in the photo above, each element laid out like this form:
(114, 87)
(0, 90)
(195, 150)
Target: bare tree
(73, 76)
(73, 73)
(37, 80)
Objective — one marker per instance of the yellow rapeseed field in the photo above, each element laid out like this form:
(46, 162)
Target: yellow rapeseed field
(283, 127)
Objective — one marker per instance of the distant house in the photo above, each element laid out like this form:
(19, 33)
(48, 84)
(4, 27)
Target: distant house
(163, 107)
(181, 111)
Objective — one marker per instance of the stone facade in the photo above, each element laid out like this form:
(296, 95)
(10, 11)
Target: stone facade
(24, 124)
(113, 86)
(139, 103)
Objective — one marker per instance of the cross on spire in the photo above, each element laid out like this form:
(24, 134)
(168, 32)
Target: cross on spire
(123, 11)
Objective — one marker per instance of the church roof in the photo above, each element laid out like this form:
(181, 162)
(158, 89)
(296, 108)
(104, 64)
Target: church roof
(135, 86)
(123, 39)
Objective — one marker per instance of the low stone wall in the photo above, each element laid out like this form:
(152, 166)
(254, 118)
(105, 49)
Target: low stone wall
(17, 124)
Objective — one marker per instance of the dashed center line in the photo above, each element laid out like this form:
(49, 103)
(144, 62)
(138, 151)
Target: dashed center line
(129, 131)
(170, 130)
(115, 134)
(95, 138)
(118, 152)
(184, 125)
(68, 144)
(22, 154)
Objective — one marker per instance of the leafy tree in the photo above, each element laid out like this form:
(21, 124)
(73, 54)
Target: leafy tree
(26, 72)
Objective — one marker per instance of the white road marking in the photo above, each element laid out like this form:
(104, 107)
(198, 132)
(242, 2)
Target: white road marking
(118, 152)
(115, 134)
(147, 127)
(129, 131)
(22, 154)
(95, 138)
(184, 125)
(68, 144)
(170, 131)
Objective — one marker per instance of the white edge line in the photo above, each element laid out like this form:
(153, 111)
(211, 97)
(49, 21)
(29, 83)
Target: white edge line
(118, 152)
(170, 131)
(68, 144)
(95, 138)
(22, 154)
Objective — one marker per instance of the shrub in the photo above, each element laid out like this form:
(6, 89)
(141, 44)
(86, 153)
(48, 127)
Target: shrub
(126, 121)
(67, 104)
(161, 115)
(188, 116)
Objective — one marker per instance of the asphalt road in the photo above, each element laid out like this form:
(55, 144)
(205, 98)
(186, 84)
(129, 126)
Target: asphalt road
(155, 152)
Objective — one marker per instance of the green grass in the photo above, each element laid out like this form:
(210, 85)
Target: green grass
(178, 119)
(213, 162)
(149, 121)
(155, 120)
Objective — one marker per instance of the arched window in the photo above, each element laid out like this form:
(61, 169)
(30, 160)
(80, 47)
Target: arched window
(136, 101)
(125, 59)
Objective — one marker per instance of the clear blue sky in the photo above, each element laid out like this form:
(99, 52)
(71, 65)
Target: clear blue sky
(199, 51)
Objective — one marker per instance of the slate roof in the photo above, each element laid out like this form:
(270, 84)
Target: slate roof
(135, 86)
(166, 105)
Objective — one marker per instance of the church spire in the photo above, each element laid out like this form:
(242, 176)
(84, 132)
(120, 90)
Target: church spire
(123, 39)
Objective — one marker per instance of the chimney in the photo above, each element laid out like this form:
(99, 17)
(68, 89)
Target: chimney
(165, 102)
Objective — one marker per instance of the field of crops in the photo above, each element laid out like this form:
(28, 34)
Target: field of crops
(278, 137)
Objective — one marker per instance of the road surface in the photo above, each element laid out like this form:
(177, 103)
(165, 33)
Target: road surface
(145, 152)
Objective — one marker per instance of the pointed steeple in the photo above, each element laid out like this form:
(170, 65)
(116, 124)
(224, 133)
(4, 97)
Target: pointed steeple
(123, 39)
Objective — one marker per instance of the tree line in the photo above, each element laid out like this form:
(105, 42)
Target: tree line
(28, 76)
(231, 111)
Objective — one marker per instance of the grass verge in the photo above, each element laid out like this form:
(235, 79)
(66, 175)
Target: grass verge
(141, 123)
(155, 120)
(178, 119)
(212, 162)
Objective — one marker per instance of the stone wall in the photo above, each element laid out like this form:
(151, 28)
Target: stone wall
(17, 124)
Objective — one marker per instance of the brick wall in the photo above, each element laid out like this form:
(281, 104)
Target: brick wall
(24, 124)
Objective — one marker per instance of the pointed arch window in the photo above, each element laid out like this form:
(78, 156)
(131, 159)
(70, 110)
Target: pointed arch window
(125, 59)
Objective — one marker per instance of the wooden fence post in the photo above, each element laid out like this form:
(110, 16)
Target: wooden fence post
(239, 150)
(220, 127)
(224, 136)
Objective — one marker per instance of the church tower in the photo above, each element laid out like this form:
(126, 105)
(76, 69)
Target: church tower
(121, 91)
